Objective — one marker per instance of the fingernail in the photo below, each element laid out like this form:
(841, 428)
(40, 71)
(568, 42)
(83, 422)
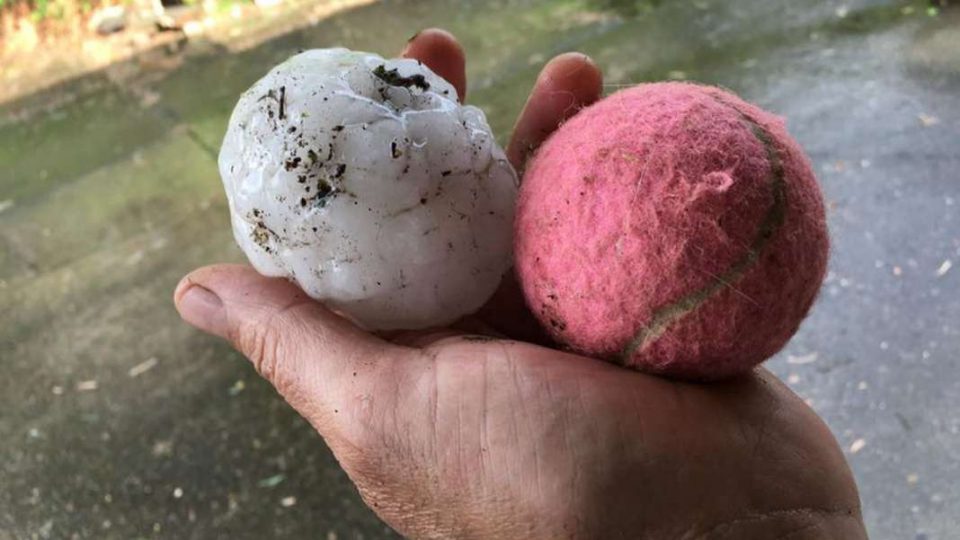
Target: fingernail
(406, 48)
(202, 308)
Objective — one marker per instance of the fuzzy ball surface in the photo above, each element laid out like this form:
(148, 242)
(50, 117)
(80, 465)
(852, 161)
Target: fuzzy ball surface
(366, 182)
(672, 228)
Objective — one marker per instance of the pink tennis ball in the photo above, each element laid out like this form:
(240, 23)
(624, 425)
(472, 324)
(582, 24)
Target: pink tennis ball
(674, 229)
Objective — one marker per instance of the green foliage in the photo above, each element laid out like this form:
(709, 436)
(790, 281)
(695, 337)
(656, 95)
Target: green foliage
(46, 11)
(627, 7)
(40, 10)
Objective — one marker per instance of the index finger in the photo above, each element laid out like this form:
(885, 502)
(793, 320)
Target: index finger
(442, 53)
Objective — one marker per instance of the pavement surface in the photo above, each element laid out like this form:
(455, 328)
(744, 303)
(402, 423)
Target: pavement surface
(119, 421)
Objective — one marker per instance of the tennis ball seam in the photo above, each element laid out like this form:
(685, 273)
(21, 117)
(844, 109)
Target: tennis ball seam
(664, 317)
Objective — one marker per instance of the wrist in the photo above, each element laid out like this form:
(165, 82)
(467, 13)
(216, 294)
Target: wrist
(796, 524)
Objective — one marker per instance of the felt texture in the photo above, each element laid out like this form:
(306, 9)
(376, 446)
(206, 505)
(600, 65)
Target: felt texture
(672, 228)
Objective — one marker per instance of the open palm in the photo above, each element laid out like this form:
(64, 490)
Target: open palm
(479, 432)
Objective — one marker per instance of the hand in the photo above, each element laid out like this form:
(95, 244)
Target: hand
(455, 435)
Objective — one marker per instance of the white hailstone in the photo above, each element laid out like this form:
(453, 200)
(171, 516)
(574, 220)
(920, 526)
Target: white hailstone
(368, 184)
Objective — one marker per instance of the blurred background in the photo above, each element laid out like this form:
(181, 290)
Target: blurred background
(119, 421)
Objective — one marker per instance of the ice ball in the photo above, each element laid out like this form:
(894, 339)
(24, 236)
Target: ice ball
(365, 181)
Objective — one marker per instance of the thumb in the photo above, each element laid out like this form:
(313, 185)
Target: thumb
(318, 361)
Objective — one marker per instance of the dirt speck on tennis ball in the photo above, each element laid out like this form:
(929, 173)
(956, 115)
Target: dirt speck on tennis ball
(367, 183)
(672, 228)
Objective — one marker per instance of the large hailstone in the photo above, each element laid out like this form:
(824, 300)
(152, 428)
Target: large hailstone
(364, 181)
